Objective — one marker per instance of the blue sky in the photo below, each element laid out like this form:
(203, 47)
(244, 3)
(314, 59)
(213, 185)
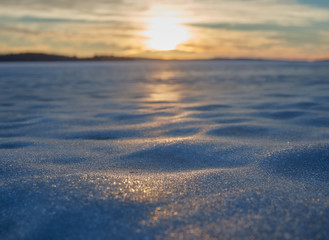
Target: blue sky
(288, 29)
(317, 3)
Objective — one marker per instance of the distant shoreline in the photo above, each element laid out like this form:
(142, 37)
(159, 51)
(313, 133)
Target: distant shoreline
(41, 57)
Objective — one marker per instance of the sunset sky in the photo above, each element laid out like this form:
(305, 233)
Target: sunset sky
(185, 29)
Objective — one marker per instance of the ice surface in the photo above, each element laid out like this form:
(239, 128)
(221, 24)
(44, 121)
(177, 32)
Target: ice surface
(164, 150)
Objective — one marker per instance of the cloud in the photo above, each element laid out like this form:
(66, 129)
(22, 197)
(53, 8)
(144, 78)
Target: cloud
(218, 27)
(283, 13)
(289, 12)
(10, 30)
(88, 10)
(71, 37)
(61, 4)
(291, 35)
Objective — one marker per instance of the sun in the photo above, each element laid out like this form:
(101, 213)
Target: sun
(165, 32)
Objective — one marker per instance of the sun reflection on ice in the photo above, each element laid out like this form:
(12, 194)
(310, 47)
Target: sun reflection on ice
(164, 93)
(163, 88)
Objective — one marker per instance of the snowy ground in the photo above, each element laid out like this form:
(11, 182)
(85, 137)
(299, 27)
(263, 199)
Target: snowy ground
(164, 150)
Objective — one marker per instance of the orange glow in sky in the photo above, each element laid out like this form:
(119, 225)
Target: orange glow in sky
(171, 29)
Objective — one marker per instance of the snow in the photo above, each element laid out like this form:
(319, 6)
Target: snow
(164, 150)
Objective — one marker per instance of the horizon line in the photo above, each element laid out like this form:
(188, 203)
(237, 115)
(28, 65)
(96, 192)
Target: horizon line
(14, 57)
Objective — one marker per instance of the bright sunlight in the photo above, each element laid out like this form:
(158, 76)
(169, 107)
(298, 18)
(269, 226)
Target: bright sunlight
(165, 32)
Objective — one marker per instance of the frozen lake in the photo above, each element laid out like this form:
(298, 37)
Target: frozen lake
(164, 150)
